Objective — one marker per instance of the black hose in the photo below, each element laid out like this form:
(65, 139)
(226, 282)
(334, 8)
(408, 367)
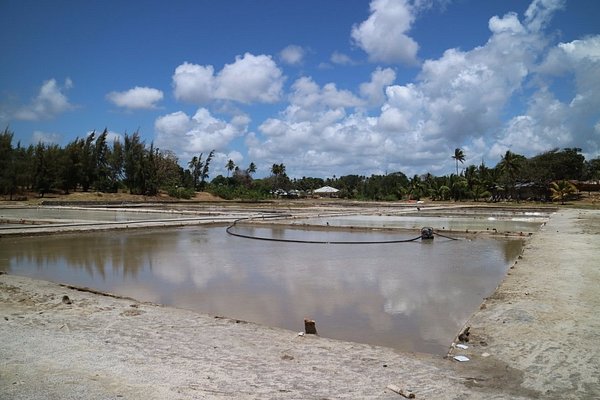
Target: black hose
(229, 231)
(444, 236)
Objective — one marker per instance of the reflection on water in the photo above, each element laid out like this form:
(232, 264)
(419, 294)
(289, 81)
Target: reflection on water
(67, 215)
(410, 296)
(501, 223)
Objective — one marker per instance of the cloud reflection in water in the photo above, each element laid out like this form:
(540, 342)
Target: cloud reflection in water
(412, 296)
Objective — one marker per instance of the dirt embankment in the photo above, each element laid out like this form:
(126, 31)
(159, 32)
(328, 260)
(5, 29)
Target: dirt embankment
(541, 326)
(538, 336)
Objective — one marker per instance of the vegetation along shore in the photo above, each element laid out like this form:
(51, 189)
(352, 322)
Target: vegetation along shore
(91, 164)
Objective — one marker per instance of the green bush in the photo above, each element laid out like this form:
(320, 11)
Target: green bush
(181, 192)
(236, 192)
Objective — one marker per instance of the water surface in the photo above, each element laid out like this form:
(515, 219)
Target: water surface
(457, 222)
(410, 296)
(89, 215)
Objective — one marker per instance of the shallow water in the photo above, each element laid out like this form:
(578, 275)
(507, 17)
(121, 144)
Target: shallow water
(501, 223)
(410, 296)
(90, 215)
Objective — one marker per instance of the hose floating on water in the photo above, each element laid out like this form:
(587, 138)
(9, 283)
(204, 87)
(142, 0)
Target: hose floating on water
(230, 227)
(444, 236)
(318, 241)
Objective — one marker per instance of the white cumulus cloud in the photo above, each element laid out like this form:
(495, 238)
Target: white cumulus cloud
(570, 121)
(383, 36)
(249, 79)
(136, 98)
(540, 12)
(461, 99)
(46, 137)
(190, 135)
(292, 54)
(310, 97)
(194, 83)
(374, 91)
(49, 102)
(509, 23)
(340, 58)
(517, 90)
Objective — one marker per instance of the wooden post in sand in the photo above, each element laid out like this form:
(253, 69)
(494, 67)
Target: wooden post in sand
(310, 327)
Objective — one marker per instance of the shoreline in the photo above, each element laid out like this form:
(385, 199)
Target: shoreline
(535, 337)
(19, 226)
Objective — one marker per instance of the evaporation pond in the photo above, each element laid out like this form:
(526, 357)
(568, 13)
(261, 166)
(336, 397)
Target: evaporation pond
(411, 296)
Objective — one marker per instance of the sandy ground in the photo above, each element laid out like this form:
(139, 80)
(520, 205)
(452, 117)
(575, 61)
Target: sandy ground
(538, 336)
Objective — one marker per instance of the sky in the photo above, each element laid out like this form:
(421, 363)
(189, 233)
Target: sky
(328, 88)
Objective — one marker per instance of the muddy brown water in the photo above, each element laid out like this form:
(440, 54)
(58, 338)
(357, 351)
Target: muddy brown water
(410, 296)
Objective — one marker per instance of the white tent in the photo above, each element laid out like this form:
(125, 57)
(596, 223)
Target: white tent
(326, 190)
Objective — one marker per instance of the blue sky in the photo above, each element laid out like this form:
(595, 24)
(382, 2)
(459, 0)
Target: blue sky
(326, 87)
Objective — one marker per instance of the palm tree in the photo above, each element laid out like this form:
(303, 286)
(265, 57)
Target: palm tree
(510, 166)
(251, 168)
(473, 181)
(415, 188)
(458, 186)
(459, 155)
(195, 166)
(444, 192)
(561, 190)
(278, 170)
(205, 168)
(230, 166)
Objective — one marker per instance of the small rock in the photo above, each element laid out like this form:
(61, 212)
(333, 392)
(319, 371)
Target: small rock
(464, 336)
(66, 300)
(132, 313)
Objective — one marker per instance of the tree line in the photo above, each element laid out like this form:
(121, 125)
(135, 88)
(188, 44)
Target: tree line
(541, 178)
(91, 163)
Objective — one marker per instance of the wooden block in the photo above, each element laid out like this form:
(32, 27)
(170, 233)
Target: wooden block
(310, 327)
(400, 391)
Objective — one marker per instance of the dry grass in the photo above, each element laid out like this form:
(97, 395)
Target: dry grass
(588, 200)
(34, 199)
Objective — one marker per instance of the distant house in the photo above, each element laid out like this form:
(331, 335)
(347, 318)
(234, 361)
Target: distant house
(296, 194)
(587, 186)
(326, 191)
